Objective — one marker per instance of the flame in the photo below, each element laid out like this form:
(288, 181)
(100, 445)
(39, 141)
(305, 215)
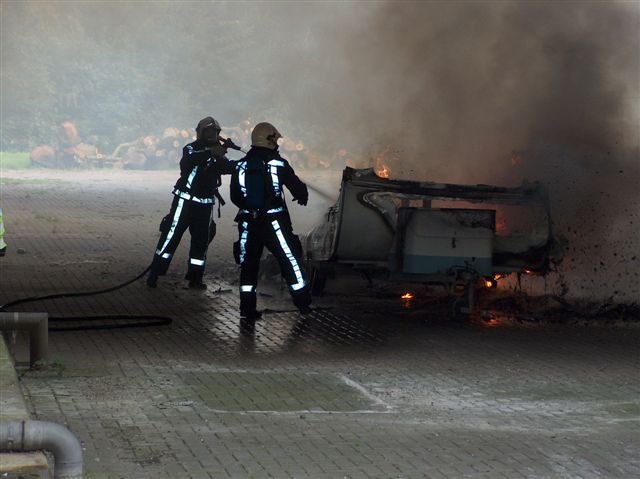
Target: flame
(501, 225)
(491, 323)
(488, 283)
(528, 272)
(380, 162)
(383, 172)
(407, 295)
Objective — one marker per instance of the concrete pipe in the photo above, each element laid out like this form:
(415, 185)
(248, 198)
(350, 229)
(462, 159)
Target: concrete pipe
(37, 324)
(24, 436)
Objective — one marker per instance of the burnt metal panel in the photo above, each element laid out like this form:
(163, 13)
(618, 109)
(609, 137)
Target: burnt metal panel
(363, 234)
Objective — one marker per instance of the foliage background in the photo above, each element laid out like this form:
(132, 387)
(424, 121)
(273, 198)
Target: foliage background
(120, 70)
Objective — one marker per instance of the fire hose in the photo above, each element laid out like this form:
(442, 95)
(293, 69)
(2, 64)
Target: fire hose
(142, 320)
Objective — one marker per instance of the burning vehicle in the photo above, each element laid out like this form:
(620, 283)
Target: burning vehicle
(462, 237)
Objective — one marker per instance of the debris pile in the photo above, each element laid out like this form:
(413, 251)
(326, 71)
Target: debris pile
(148, 152)
(153, 152)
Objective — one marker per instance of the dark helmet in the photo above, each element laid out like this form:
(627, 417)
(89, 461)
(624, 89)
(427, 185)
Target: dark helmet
(208, 122)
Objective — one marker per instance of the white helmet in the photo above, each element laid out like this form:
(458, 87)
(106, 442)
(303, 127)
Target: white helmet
(266, 135)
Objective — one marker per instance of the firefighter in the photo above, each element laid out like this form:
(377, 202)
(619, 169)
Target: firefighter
(194, 194)
(263, 219)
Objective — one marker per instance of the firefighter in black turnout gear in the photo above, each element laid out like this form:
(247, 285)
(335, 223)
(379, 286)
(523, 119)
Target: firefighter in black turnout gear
(195, 192)
(263, 220)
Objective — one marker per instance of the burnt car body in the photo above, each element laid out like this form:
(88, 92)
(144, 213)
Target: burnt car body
(428, 232)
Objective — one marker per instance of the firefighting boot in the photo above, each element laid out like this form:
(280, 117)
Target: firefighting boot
(197, 284)
(247, 330)
(159, 267)
(194, 275)
(251, 315)
(152, 279)
(302, 300)
(248, 303)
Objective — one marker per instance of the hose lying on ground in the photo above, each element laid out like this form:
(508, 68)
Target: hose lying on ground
(140, 320)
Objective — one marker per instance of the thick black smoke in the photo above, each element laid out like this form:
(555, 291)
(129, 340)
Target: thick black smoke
(457, 86)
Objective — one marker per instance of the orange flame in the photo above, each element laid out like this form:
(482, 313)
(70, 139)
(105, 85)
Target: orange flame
(380, 162)
(501, 225)
(383, 172)
(407, 296)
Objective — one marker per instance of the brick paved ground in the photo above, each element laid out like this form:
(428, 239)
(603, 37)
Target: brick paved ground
(364, 389)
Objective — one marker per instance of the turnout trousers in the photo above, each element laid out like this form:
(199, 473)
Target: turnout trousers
(276, 234)
(197, 218)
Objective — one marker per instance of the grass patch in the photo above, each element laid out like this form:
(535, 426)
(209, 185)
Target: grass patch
(14, 160)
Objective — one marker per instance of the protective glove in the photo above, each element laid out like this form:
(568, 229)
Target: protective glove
(218, 151)
(302, 201)
(228, 143)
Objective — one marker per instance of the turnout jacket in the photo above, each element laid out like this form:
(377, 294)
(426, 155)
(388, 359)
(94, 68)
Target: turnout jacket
(200, 173)
(277, 173)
